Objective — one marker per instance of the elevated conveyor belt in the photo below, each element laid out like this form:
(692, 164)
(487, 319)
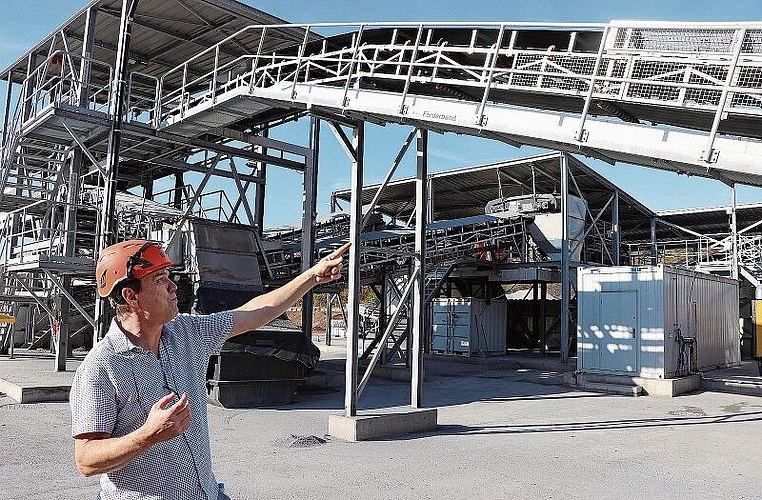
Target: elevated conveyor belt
(679, 97)
(447, 241)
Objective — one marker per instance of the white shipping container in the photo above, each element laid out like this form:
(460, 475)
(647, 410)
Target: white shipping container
(629, 320)
(469, 326)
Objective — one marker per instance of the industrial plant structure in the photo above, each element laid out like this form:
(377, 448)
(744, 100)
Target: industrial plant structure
(127, 94)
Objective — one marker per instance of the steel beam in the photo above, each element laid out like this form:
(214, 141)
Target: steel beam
(84, 148)
(192, 203)
(7, 110)
(177, 199)
(542, 314)
(309, 213)
(389, 174)
(615, 234)
(328, 317)
(353, 305)
(387, 332)
(733, 234)
(676, 151)
(63, 347)
(260, 189)
(242, 199)
(654, 248)
(565, 291)
(195, 167)
(87, 54)
(708, 155)
(418, 310)
(107, 223)
(591, 88)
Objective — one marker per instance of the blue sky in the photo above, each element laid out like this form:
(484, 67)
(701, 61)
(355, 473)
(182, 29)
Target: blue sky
(24, 22)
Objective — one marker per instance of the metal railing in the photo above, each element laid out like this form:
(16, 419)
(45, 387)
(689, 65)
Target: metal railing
(714, 68)
(212, 205)
(142, 97)
(58, 80)
(707, 252)
(36, 229)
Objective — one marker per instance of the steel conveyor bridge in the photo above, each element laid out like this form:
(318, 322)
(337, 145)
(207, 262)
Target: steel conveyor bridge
(388, 249)
(673, 96)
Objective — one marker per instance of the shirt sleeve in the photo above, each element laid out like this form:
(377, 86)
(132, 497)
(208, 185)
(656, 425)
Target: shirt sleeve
(92, 401)
(213, 330)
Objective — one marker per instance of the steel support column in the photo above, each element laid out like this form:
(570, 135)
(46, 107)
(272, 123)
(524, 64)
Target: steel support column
(259, 189)
(87, 54)
(419, 289)
(353, 304)
(543, 314)
(328, 317)
(564, 258)
(383, 304)
(107, 223)
(177, 194)
(27, 92)
(309, 212)
(654, 249)
(733, 234)
(536, 309)
(62, 338)
(430, 202)
(7, 108)
(70, 241)
(147, 183)
(615, 234)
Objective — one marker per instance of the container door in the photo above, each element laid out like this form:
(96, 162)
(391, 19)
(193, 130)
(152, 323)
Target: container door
(460, 321)
(619, 326)
(440, 326)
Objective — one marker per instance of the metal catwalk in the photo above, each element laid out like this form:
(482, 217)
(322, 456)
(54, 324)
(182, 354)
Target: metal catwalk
(675, 96)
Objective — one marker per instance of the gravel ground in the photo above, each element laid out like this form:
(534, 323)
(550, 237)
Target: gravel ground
(503, 433)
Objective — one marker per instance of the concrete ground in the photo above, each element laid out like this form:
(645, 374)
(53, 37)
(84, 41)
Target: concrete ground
(504, 432)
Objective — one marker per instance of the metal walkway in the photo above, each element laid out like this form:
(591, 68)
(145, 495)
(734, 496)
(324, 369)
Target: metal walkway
(679, 97)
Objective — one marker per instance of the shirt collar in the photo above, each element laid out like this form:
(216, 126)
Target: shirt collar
(122, 344)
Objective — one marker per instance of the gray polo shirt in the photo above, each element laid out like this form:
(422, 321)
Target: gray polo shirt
(118, 383)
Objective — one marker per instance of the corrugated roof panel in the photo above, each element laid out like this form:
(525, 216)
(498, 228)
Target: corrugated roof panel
(465, 192)
(166, 34)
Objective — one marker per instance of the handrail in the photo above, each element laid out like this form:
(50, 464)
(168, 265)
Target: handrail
(615, 71)
(31, 238)
(50, 83)
(132, 104)
(223, 208)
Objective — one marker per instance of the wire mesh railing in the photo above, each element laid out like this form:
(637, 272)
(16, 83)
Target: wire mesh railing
(712, 68)
(711, 252)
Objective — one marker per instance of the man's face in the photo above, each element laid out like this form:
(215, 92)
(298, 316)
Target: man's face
(157, 298)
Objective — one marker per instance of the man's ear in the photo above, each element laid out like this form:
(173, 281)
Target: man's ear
(129, 295)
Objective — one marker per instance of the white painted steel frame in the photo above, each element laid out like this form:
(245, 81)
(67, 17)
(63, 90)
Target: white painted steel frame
(311, 81)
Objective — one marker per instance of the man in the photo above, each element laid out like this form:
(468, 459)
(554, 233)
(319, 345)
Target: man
(138, 400)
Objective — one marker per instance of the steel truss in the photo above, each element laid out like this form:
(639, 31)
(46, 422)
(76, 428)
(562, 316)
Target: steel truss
(596, 89)
(58, 176)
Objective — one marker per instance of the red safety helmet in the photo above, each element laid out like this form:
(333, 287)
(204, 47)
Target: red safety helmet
(131, 259)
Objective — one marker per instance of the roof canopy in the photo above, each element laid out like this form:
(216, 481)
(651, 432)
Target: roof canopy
(465, 192)
(165, 34)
